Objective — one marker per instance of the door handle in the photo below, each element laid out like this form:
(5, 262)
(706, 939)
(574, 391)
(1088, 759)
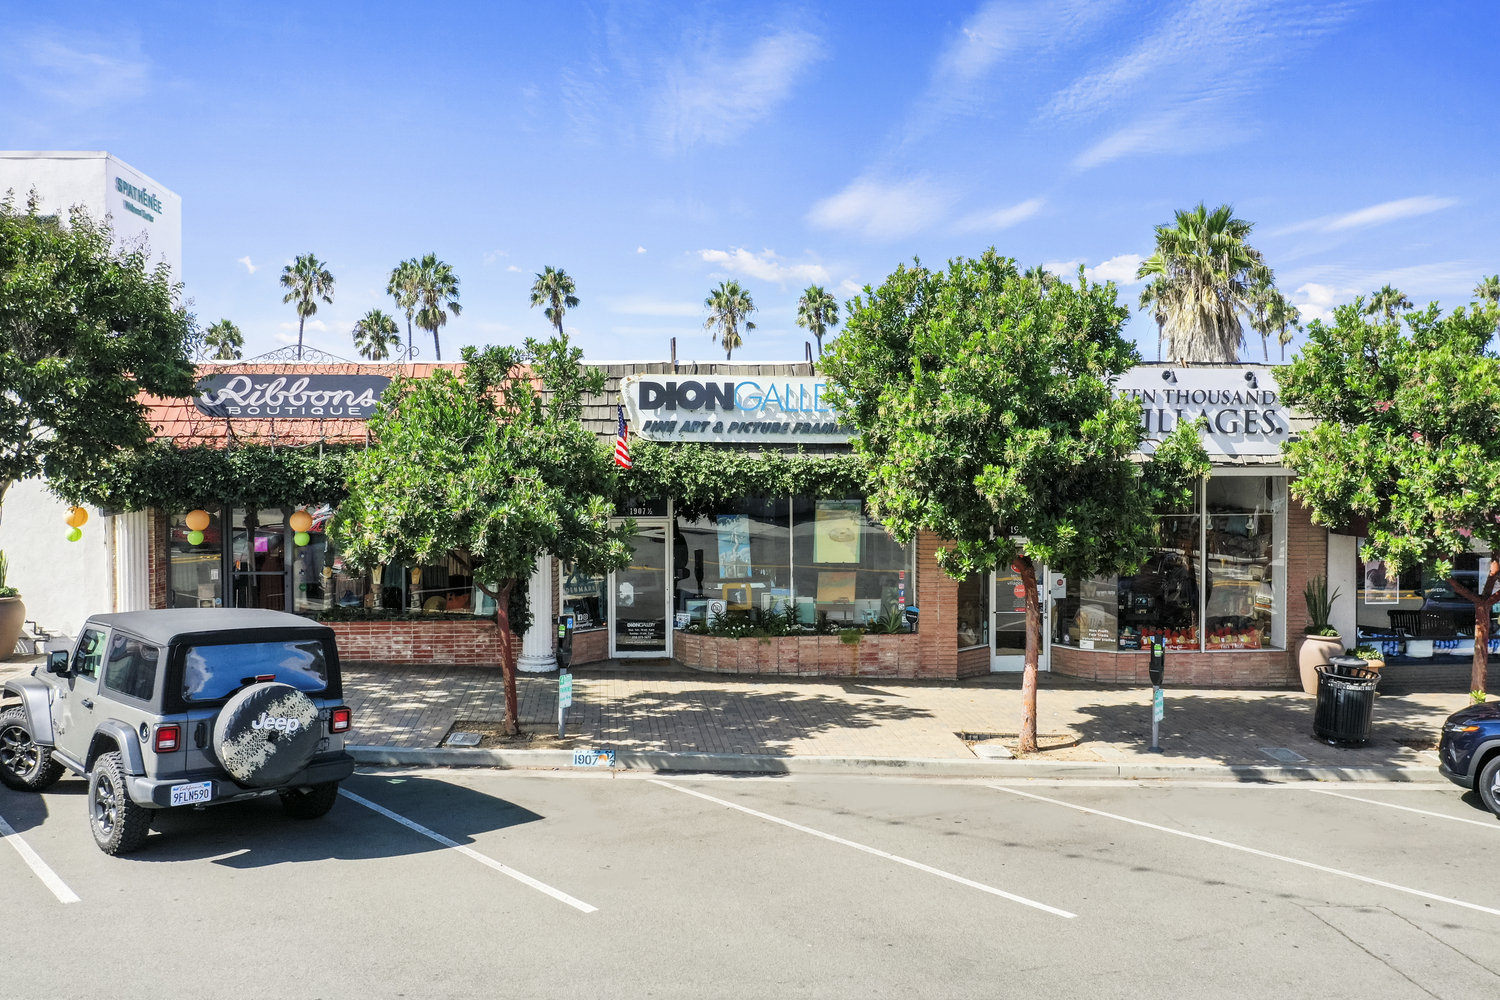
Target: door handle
(87, 703)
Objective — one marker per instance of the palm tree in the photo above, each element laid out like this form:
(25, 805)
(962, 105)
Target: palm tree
(402, 287)
(1286, 319)
(1041, 276)
(729, 307)
(817, 312)
(1151, 298)
(1488, 290)
(1207, 270)
(554, 289)
(1387, 302)
(307, 280)
(437, 294)
(224, 340)
(376, 335)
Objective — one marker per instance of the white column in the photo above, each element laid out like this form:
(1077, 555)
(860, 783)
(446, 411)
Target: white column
(1342, 556)
(536, 647)
(132, 567)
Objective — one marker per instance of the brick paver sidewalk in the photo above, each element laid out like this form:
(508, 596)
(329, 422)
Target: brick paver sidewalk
(684, 711)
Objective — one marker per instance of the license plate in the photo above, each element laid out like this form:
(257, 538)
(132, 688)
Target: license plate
(198, 791)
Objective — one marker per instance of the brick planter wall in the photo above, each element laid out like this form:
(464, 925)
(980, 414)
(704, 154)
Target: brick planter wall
(805, 656)
(591, 646)
(457, 643)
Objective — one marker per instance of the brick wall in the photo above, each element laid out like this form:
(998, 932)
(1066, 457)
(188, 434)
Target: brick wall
(937, 597)
(459, 643)
(973, 662)
(158, 557)
(806, 656)
(591, 646)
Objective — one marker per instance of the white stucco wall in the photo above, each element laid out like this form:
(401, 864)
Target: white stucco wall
(1343, 578)
(61, 582)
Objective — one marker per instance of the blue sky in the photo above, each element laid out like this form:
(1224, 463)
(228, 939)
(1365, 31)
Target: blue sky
(653, 150)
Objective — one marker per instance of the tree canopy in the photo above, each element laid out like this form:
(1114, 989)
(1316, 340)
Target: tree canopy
(555, 291)
(84, 330)
(1408, 437)
(986, 414)
(493, 465)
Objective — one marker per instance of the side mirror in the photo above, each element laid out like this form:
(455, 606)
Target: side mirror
(57, 662)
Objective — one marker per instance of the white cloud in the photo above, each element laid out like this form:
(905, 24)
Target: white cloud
(1120, 269)
(641, 305)
(720, 97)
(1315, 301)
(764, 265)
(1374, 215)
(80, 70)
(849, 288)
(494, 255)
(1002, 218)
(1000, 29)
(248, 266)
(883, 211)
(514, 268)
(640, 249)
(312, 326)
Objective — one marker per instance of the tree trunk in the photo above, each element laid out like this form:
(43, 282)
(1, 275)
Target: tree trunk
(437, 348)
(1027, 569)
(507, 656)
(300, 320)
(1484, 603)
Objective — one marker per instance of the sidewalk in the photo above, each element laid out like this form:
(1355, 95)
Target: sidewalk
(655, 709)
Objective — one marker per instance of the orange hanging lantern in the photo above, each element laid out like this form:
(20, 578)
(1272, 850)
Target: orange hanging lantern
(300, 521)
(197, 520)
(76, 517)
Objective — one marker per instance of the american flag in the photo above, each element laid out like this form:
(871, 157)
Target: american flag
(622, 446)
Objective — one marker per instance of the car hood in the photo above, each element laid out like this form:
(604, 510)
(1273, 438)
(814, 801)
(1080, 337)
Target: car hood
(1477, 713)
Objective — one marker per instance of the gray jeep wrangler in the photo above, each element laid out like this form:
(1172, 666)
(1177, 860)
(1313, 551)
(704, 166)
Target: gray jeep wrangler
(185, 707)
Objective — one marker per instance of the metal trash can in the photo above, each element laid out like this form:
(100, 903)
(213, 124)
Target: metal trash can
(1346, 700)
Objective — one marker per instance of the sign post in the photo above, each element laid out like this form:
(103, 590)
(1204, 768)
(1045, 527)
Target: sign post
(1158, 699)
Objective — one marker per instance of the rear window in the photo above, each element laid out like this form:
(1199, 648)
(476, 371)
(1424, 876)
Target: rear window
(213, 672)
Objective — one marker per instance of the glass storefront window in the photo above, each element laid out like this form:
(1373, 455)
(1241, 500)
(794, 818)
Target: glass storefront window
(1089, 617)
(585, 596)
(196, 569)
(845, 565)
(258, 551)
(1010, 613)
(973, 611)
(741, 558)
(444, 586)
(1245, 597)
(1416, 602)
(1161, 598)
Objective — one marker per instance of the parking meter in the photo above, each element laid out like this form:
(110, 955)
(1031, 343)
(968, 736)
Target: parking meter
(564, 679)
(1158, 665)
(564, 641)
(1157, 669)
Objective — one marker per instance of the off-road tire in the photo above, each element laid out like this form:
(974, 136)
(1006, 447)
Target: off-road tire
(119, 825)
(24, 765)
(1485, 781)
(312, 802)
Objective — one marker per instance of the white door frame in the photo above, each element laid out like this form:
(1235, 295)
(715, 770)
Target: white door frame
(646, 654)
(1014, 662)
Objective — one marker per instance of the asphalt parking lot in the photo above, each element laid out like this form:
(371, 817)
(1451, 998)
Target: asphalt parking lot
(463, 883)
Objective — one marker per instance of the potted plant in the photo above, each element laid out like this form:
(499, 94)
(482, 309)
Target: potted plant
(1322, 640)
(12, 614)
(1374, 658)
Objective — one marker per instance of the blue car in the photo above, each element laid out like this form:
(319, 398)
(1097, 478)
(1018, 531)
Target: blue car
(1469, 753)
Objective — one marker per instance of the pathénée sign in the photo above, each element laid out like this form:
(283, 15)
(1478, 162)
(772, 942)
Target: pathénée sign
(780, 409)
(298, 397)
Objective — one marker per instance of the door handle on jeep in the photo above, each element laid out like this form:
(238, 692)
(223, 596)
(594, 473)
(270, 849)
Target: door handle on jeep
(87, 703)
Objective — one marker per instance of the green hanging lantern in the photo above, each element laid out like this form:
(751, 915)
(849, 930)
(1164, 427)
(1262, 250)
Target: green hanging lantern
(301, 538)
(75, 534)
(195, 537)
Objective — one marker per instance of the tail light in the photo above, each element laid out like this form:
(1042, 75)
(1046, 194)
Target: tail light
(340, 720)
(168, 738)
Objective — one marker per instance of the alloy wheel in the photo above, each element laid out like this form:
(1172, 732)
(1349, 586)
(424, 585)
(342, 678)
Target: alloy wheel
(106, 805)
(18, 753)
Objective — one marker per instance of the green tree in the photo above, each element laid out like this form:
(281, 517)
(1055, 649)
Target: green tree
(554, 290)
(1406, 437)
(376, 335)
(1389, 302)
(729, 307)
(817, 313)
(223, 341)
(437, 295)
(404, 286)
(1207, 269)
(986, 414)
(84, 331)
(491, 468)
(307, 280)
(1287, 319)
(1488, 289)
(1151, 298)
(1270, 311)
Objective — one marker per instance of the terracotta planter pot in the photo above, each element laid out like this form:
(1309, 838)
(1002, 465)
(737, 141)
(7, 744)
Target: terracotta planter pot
(12, 617)
(1315, 651)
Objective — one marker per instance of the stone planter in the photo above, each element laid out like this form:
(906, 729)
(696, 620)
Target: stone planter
(1314, 652)
(12, 618)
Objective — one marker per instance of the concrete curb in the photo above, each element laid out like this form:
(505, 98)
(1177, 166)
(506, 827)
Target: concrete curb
(663, 761)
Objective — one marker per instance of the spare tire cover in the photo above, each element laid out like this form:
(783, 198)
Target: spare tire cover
(266, 733)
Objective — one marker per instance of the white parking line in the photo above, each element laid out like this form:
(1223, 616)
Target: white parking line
(1250, 850)
(47, 875)
(558, 894)
(871, 850)
(1487, 824)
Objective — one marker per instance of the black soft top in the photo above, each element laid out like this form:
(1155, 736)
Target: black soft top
(165, 625)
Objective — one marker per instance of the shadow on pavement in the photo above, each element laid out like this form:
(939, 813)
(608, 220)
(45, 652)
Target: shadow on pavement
(258, 832)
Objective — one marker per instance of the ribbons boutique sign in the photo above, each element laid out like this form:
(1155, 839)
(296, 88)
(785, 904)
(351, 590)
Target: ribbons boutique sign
(297, 397)
(769, 409)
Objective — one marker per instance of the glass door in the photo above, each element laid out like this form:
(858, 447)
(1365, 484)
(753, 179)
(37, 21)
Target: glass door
(258, 551)
(1008, 599)
(639, 595)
